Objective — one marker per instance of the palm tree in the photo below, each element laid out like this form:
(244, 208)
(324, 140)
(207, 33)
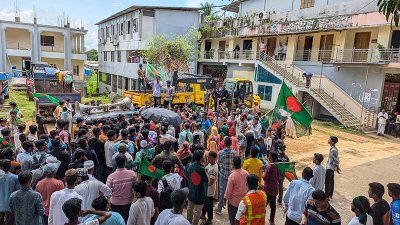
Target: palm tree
(207, 8)
(390, 8)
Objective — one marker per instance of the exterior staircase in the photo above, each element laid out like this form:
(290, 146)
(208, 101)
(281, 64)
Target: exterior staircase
(342, 106)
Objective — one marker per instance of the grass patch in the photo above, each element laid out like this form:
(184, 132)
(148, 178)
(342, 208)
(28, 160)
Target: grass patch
(103, 98)
(27, 107)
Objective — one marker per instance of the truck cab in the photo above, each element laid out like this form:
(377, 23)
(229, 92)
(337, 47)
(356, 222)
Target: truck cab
(240, 91)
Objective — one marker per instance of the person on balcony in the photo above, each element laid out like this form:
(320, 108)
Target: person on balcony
(382, 117)
(236, 51)
(261, 49)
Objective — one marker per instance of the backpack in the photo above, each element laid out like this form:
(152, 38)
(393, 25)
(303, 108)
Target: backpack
(165, 196)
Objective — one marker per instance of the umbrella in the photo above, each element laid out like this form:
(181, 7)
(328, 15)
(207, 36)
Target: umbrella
(162, 115)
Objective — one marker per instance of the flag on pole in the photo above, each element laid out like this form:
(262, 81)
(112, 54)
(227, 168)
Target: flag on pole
(149, 170)
(153, 72)
(288, 105)
(51, 98)
(287, 170)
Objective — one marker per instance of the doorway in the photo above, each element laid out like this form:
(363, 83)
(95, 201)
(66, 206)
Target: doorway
(361, 44)
(325, 48)
(207, 50)
(308, 42)
(26, 63)
(271, 46)
(221, 49)
(247, 47)
(395, 43)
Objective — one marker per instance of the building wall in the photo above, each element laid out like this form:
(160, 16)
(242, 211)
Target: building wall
(58, 42)
(81, 65)
(175, 22)
(148, 27)
(18, 39)
(352, 80)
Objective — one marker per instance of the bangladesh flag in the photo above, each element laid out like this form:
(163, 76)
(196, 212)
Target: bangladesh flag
(6, 143)
(51, 98)
(149, 170)
(287, 170)
(153, 72)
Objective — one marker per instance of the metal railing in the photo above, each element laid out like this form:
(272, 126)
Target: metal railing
(314, 55)
(231, 55)
(51, 49)
(368, 55)
(19, 46)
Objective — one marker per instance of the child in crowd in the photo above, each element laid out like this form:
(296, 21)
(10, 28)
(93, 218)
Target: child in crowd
(32, 133)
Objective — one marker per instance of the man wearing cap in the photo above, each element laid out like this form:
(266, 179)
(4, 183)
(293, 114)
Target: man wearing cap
(89, 165)
(251, 208)
(90, 190)
(174, 215)
(58, 198)
(47, 187)
(169, 95)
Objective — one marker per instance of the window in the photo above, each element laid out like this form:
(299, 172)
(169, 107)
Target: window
(134, 26)
(119, 82)
(263, 75)
(46, 40)
(128, 27)
(75, 70)
(104, 56)
(108, 78)
(265, 92)
(121, 29)
(107, 32)
(114, 83)
(112, 30)
(118, 56)
(112, 56)
(307, 4)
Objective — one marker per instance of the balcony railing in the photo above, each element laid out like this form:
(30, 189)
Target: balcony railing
(314, 55)
(51, 49)
(234, 55)
(19, 46)
(368, 55)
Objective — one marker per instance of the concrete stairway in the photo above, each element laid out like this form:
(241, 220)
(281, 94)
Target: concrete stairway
(342, 106)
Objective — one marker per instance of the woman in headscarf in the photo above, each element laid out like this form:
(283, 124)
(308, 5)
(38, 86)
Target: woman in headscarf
(214, 132)
(184, 152)
(362, 210)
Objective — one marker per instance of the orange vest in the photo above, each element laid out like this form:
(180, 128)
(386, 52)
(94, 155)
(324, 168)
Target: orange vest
(255, 209)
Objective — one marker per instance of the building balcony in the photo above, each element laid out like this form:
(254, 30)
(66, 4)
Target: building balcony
(53, 55)
(367, 56)
(19, 52)
(314, 55)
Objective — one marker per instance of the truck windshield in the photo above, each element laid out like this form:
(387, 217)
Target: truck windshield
(230, 86)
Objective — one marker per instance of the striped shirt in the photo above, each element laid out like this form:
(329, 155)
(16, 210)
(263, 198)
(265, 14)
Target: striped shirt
(120, 182)
(316, 217)
(226, 162)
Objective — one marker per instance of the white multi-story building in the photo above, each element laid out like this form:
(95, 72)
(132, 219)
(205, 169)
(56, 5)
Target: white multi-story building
(347, 44)
(124, 35)
(24, 43)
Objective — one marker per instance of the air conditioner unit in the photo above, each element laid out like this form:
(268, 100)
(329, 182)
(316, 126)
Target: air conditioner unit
(264, 15)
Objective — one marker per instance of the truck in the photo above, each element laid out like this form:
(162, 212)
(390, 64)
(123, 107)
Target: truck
(191, 88)
(188, 88)
(45, 79)
(4, 83)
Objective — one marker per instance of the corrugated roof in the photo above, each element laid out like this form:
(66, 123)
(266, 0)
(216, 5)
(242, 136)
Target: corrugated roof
(234, 6)
(137, 7)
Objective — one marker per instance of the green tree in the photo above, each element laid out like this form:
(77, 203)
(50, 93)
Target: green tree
(207, 8)
(391, 9)
(172, 54)
(92, 55)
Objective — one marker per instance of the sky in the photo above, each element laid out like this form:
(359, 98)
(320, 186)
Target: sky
(83, 12)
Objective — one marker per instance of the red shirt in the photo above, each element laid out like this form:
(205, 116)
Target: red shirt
(46, 188)
(271, 179)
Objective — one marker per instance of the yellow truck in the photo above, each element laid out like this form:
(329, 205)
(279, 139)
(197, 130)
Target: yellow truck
(191, 88)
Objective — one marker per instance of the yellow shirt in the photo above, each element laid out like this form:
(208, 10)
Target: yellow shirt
(253, 166)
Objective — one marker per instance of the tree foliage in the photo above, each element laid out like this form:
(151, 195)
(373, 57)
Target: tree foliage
(172, 54)
(92, 55)
(207, 8)
(391, 9)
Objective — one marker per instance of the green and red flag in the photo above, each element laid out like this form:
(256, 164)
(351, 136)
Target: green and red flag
(51, 98)
(288, 104)
(153, 72)
(287, 169)
(4, 142)
(149, 170)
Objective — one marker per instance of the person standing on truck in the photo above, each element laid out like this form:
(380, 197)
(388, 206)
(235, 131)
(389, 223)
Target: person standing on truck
(157, 84)
(58, 110)
(169, 95)
(142, 78)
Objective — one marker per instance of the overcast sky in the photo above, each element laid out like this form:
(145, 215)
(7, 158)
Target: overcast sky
(86, 12)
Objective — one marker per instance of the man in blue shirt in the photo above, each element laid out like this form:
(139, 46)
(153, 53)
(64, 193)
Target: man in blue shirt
(206, 123)
(296, 196)
(25, 157)
(124, 137)
(8, 184)
(25, 203)
(394, 193)
(100, 204)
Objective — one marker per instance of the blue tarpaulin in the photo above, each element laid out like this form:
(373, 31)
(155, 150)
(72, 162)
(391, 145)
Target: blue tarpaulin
(49, 70)
(88, 72)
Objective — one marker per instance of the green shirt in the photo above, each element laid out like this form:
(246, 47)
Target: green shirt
(198, 181)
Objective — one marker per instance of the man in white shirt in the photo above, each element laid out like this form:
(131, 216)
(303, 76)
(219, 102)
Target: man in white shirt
(261, 48)
(169, 95)
(318, 179)
(173, 179)
(90, 190)
(382, 117)
(142, 210)
(174, 215)
(58, 198)
(109, 149)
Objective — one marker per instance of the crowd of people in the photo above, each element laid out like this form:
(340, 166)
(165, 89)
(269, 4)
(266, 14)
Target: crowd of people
(221, 159)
